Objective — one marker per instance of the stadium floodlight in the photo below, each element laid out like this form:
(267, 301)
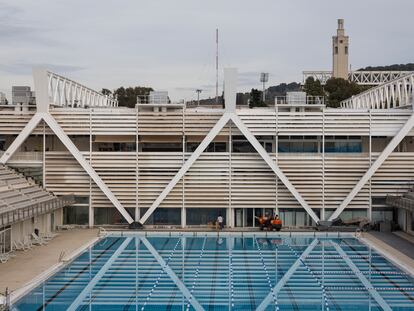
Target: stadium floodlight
(264, 77)
(198, 96)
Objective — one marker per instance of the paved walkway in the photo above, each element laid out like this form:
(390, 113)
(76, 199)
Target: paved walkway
(23, 268)
(396, 241)
(396, 248)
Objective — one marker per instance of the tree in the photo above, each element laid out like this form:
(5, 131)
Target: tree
(339, 89)
(395, 67)
(256, 99)
(127, 97)
(313, 87)
(106, 92)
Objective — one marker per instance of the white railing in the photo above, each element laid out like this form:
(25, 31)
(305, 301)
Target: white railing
(308, 100)
(397, 93)
(320, 75)
(64, 92)
(5, 241)
(26, 156)
(359, 77)
(375, 77)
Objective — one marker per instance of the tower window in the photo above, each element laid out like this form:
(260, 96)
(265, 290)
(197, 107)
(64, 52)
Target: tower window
(336, 50)
(346, 50)
(341, 41)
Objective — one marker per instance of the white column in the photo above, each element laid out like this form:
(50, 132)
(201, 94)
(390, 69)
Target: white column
(369, 214)
(230, 222)
(230, 89)
(44, 156)
(276, 157)
(183, 217)
(91, 214)
(91, 217)
(137, 211)
(323, 165)
(41, 82)
(183, 210)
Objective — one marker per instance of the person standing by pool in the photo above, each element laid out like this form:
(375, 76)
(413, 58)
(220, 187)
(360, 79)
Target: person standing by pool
(220, 221)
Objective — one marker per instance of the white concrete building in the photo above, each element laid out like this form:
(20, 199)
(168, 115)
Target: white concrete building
(170, 165)
(3, 99)
(23, 95)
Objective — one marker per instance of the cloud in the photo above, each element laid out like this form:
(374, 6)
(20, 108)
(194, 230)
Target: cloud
(26, 68)
(173, 48)
(248, 78)
(17, 29)
(185, 88)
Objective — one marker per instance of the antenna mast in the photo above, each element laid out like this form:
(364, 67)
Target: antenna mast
(216, 66)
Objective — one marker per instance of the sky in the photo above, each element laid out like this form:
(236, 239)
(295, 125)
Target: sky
(170, 45)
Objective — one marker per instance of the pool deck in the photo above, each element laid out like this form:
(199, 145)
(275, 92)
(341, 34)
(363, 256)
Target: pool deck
(26, 267)
(396, 246)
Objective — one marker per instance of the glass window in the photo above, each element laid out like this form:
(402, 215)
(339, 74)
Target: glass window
(283, 146)
(296, 146)
(249, 217)
(122, 147)
(212, 147)
(299, 144)
(378, 200)
(164, 216)
(76, 215)
(268, 146)
(242, 147)
(204, 216)
(111, 216)
(310, 146)
(343, 144)
(2, 143)
(354, 147)
(162, 147)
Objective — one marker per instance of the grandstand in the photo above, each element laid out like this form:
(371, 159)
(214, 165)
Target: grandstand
(25, 209)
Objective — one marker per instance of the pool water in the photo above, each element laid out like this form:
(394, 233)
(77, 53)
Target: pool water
(226, 272)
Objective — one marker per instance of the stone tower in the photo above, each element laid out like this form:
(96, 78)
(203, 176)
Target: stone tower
(340, 46)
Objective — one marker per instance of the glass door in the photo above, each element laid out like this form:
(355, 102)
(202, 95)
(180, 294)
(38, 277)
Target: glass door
(238, 217)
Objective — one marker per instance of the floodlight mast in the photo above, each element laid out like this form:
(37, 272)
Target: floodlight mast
(264, 77)
(217, 65)
(198, 91)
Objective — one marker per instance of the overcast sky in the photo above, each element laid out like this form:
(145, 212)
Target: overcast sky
(170, 44)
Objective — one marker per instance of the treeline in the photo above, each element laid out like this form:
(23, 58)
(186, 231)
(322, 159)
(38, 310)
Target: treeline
(335, 90)
(127, 97)
(395, 67)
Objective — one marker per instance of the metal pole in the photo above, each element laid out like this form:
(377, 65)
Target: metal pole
(216, 66)
(264, 90)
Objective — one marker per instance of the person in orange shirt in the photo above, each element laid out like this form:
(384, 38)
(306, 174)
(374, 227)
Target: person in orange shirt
(277, 223)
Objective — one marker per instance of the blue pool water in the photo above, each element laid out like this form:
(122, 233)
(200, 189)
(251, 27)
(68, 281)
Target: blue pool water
(207, 272)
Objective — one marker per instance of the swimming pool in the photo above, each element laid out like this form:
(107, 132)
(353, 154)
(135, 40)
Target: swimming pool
(226, 272)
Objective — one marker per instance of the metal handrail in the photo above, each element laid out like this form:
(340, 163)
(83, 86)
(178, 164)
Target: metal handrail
(26, 156)
(392, 94)
(12, 216)
(400, 202)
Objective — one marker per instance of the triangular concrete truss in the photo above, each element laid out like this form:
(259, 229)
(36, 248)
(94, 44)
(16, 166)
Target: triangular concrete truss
(59, 132)
(221, 123)
(230, 114)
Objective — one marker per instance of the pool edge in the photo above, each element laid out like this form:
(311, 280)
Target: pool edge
(393, 258)
(26, 288)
